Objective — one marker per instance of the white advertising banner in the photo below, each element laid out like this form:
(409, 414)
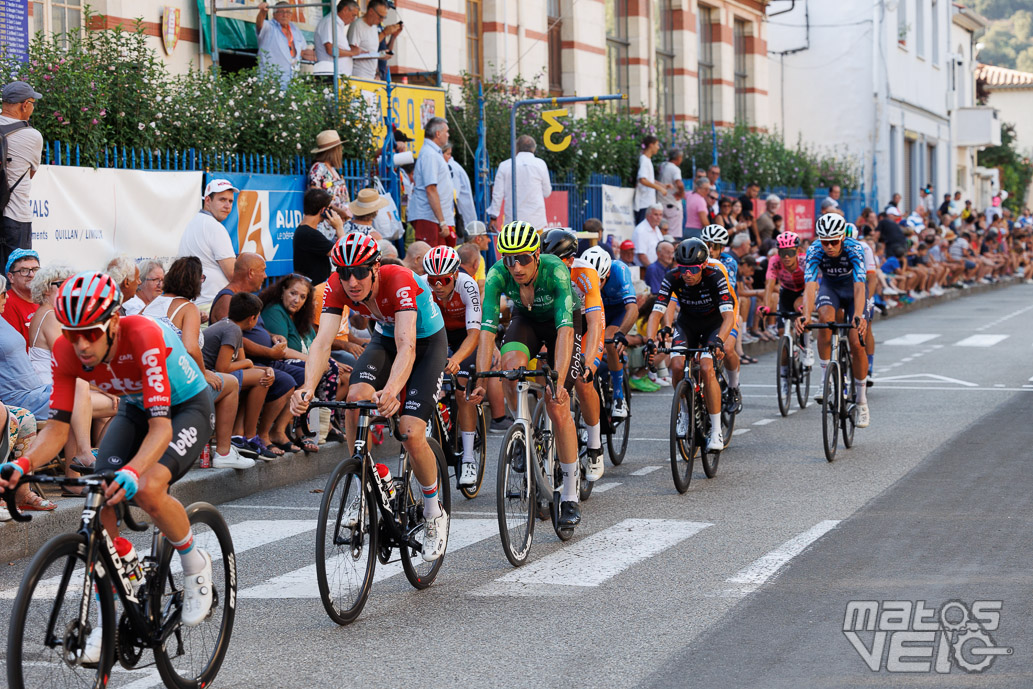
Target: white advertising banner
(83, 217)
(618, 212)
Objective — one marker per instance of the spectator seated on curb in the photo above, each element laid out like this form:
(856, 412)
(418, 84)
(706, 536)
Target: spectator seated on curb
(19, 430)
(127, 275)
(152, 282)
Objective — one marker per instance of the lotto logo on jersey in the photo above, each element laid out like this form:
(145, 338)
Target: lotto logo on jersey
(155, 376)
(119, 385)
(405, 298)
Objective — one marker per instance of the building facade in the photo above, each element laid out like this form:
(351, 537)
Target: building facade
(1011, 94)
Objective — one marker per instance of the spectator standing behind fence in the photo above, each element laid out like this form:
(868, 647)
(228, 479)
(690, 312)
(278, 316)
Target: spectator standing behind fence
(24, 152)
(533, 186)
(646, 185)
(674, 192)
(281, 44)
(766, 220)
(347, 11)
(647, 235)
(366, 34)
(311, 248)
(207, 238)
(431, 207)
(22, 266)
(324, 175)
(697, 216)
(466, 213)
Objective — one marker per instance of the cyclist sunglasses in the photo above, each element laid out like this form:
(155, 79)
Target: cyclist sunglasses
(360, 272)
(787, 253)
(89, 334)
(522, 259)
(440, 279)
(832, 242)
(693, 270)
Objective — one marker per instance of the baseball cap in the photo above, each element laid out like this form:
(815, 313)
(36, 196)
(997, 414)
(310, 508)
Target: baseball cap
(893, 210)
(19, 92)
(217, 185)
(17, 255)
(627, 244)
(475, 228)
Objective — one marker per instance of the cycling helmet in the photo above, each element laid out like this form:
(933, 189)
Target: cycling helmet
(788, 240)
(560, 242)
(850, 231)
(518, 237)
(691, 252)
(87, 300)
(599, 259)
(441, 260)
(715, 234)
(355, 249)
(830, 226)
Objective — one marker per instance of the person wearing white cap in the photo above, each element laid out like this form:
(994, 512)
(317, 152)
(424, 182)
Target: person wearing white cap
(24, 149)
(208, 239)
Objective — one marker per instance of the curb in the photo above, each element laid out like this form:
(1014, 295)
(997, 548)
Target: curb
(215, 486)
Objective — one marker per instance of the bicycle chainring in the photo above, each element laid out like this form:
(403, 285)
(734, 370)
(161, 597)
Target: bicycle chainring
(128, 647)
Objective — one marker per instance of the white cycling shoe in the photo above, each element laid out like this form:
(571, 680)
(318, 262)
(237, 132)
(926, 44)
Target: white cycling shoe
(468, 474)
(682, 427)
(715, 443)
(197, 594)
(595, 465)
(808, 357)
(91, 655)
(620, 409)
(435, 537)
(863, 419)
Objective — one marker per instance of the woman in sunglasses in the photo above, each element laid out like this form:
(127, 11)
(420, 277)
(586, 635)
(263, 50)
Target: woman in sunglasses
(406, 354)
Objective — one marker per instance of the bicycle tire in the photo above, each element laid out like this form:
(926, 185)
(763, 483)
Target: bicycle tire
(516, 490)
(830, 402)
(784, 364)
(620, 433)
(848, 413)
(584, 485)
(683, 448)
(62, 551)
(343, 488)
(418, 571)
(480, 449)
(727, 419)
(803, 383)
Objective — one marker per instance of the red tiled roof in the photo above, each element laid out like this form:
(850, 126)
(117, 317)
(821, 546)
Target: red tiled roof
(1004, 78)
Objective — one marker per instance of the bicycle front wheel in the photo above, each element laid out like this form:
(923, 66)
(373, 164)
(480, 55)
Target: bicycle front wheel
(848, 410)
(584, 485)
(45, 639)
(831, 399)
(783, 375)
(683, 435)
(418, 571)
(617, 438)
(515, 498)
(346, 543)
(803, 382)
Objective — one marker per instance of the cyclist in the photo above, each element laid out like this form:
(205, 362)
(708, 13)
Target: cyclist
(407, 353)
(165, 421)
(707, 316)
(840, 261)
(716, 239)
(459, 298)
(872, 281)
(786, 270)
(584, 279)
(544, 314)
(620, 309)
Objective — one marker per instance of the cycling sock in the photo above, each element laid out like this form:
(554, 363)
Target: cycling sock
(715, 423)
(594, 437)
(862, 391)
(824, 365)
(189, 556)
(569, 493)
(732, 377)
(617, 377)
(468, 439)
(431, 506)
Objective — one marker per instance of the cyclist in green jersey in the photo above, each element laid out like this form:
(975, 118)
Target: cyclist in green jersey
(545, 313)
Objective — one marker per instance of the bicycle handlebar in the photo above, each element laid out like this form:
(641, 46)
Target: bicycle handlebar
(363, 405)
(829, 326)
(93, 480)
(516, 374)
(791, 315)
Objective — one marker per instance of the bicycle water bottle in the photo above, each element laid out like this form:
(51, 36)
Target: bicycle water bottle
(386, 482)
(445, 416)
(130, 560)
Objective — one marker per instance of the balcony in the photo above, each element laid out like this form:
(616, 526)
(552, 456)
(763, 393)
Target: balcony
(977, 126)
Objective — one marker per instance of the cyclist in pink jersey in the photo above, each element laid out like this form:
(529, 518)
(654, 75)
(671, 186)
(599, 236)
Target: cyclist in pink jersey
(786, 270)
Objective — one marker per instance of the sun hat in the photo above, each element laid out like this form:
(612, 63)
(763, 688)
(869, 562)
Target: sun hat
(367, 201)
(327, 139)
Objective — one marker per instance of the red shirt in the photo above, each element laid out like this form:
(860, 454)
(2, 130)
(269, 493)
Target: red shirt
(18, 313)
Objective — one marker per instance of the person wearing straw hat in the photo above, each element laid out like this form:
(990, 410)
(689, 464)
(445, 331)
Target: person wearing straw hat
(363, 209)
(324, 174)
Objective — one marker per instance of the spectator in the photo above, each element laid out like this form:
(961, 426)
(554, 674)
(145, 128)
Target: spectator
(925, 198)
(366, 35)
(414, 256)
(152, 282)
(674, 193)
(752, 192)
(890, 232)
(388, 35)
(464, 209)
(724, 214)
(894, 203)
(866, 222)
(248, 276)
(22, 265)
(739, 224)
(347, 11)
(363, 210)
(654, 275)
(477, 238)
(388, 250)
(646, 185)
(830, 205)
(19, 431)
(281, 44)
(532, 188)
(324, 175)
(714, 177)
(311, 248)
(208, 239)
(627, 252)
(696, 214)
(777, 219)
(472, 263)
(431, 209)
(24, 151)
(647, 235)
(944, 211)
(766, 222)
(127, 274)
(835, 191)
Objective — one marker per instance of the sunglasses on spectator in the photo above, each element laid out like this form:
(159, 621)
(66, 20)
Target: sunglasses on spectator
(522, 259)
(693, 270)
(89, 334)
(358, 272)
(438, 280)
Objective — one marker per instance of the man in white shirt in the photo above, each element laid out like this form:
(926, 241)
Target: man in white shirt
(533, 186)
(207, 238)
(647, 235)
(367, 36)
(646, 186)
(24, 149)
(347, 11)
(674, 192)
(280, 42)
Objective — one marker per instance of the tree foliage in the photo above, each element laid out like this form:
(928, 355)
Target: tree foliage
(1016, 169)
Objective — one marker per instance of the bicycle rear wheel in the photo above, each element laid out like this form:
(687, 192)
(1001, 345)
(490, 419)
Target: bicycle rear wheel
(683, 445)
(831, 399)
(418, 571)
(515, 497)
(52, 588)
(727, 420)
(848, 410)
(192, 656)
(803, 382)
(480, 453)
(346, 554)
(620, 433)
(784, 374)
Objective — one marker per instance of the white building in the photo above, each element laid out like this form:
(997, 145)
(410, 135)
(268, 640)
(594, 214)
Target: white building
(1011, 94)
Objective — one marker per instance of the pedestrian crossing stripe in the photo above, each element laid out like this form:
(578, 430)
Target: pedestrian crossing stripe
(981, 341)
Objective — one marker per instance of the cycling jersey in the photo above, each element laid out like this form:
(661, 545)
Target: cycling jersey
(731, 264)
(838, 271)
(791, 280)
(462, 310)
(869, 258)
(585, 281)
(553, 294)
(400, 290)
(619, 287)
(150, 368)
(708, 297)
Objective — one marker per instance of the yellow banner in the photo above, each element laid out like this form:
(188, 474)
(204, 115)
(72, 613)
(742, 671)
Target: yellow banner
(411, 106)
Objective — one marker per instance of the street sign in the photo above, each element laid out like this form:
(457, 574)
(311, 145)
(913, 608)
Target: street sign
(555, 127)
(14, 30)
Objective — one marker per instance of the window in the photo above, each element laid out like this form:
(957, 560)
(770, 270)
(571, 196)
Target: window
(935, 21)
(617, 48)
(704, 29)
(930, 168)
(894, 178)
(555, 30)
(919, 28)
(663, 27)
(902, 23)
(739, 40)
(474, 52)
(57, 16)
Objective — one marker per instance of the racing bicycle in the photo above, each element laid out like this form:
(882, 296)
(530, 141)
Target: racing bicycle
(838, 410)
(789, 369)
(445, 429)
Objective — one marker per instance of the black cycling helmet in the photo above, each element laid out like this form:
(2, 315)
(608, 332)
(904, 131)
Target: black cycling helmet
(691, 252)
(560, 242)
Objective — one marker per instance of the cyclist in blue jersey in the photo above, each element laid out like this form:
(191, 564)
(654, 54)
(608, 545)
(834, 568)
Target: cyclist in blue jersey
(716, 238)
(620, 310)
(840, 263)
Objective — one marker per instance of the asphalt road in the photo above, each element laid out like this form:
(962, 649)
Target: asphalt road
(743, 581)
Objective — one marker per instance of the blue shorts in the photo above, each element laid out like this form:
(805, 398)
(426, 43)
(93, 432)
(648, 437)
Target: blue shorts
(837, 297)
(614, 314)
(283, 383)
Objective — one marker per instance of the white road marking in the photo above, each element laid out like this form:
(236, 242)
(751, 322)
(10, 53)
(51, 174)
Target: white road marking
(763, 422)
(910, 340)
(603, 487)
(976, 389)
(644, 470)
(285, 508)
(301, 583)
(924, 378)
(655, 440)
(595, 559)
(792, 411)
(740, 431)
(981, 341)
(751, 577)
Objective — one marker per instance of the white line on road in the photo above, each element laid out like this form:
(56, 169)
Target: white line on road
(655, 440)
(762, 569)
(981, 341)
(887, 386)
(603, 487)
(740, 431)
(763, 422)
(595, 559)
(644, 470)
(910, 340)
(286, 508)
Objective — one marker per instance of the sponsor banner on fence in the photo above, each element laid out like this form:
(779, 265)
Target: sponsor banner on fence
(798, 216)
(82, 217)
(263, 220)
(557, 209)
(618, 212)
(411, 106)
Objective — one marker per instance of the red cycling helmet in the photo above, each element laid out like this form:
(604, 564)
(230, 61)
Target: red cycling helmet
(441, 260)
(788, 240)
(87, 300)
(355, 249)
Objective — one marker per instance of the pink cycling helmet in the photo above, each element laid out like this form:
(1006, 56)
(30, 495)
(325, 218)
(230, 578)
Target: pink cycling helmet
(788, 240)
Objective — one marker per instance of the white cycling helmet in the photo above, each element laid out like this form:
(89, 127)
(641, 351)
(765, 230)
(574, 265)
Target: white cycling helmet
(851, 230)
(599, 259)
(441, 260)
(830, 226)
(715, 234)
